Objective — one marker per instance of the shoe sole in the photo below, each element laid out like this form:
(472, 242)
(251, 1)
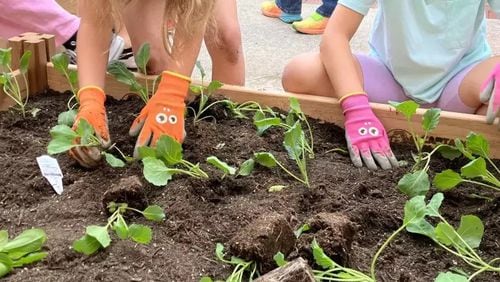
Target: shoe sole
(271, 15)
(311, 31)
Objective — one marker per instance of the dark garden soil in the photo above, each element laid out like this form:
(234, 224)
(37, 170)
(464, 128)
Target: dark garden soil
(365, 204)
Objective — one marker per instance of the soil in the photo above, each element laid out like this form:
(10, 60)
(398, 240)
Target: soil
(201, 213)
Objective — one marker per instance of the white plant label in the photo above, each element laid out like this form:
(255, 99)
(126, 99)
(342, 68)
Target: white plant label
(51, 171)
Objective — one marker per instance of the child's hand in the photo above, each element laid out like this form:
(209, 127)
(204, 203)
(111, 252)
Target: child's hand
(490, 93)
(92, 110)
(164, 113)
(365, 135)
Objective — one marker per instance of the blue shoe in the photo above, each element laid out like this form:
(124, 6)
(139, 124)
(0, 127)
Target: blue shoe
(290, 18)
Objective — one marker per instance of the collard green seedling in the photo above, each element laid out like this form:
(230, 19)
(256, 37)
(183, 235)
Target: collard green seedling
(204, 93)
(240, 266)
(63, 139)
(304, 228)
(165, 160)
(121, 73)
(61, 64)
(9, 82)
(279, 259)
(268, 160)
(242, 110)
(417, 181)
(98, 237)
(222, 166)
(476, 171)
(22, 250)
(461, 242)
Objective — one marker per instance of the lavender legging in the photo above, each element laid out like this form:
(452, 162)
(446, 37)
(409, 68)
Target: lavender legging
(382, 87)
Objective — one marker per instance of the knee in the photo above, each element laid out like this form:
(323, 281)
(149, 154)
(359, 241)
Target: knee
(291, 78)
(229, 42)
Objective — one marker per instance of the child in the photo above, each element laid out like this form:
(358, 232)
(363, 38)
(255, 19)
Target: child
(434, 52)
(146, 21)
(289, 12)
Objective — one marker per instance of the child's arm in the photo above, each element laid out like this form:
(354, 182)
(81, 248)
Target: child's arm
(366, 138)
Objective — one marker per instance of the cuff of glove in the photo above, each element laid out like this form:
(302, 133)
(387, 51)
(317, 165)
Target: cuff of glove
(172, 75)
(354, 102)
(173, 85)
(91, 93)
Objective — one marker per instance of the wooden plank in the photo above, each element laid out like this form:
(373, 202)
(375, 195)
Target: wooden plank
(452, 125)
(16, 43)
(5, 101)
(50, 45)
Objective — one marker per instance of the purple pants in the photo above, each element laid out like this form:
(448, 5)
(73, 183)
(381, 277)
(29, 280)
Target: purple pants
(381, 87)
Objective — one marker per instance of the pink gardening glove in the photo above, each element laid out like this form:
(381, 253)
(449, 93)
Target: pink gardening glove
(365, 135)
(490, 94)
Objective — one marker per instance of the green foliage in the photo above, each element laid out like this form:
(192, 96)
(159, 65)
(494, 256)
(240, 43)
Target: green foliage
(246, 168)
(279, 259)
(9, 82)
(61, 64)
(67, 118)
(162, 162)
(241, 110)
(222, 166)
(450, 277)
(240, 266)
(64, 138)
(304, 228)
(276, 188)
(22, 250)
(98, 237)
(415, 183)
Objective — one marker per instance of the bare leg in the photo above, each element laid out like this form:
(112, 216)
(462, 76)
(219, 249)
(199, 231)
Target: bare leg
(144, 22)
(306, 74)
(471, 85)
(228, 65)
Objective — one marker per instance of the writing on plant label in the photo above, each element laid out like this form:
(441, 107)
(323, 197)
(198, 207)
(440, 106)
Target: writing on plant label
(51, 171)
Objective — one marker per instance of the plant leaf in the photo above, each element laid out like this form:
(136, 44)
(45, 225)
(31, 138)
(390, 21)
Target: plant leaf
(29, 258)
(5, 265)
(214, 86)
(169, 150)
(154, 213)
(475, 168)
(201, 69)
(121, 73)
(407, 108)
(262, 123)
(85, 131)
(86, 245)
(447, 180)
(156, 172)
(295, 106)
(471, 230)
(246, 167)
(304, 228)
(120, 228)
(60, 62)
(431, 119)
(279, 259)
(224, 167)
(460, 146)
(147, 152)
(142, 57)
(4, 238)
(100, 233)
(206, 279)
(294, 141)
(414, 184)
(67, 118)
(30, 240)
(5, 56)
(478, 145)
(449, 152)
(113, 161)
(320, 257)
(266, 159)
(450, 277)
(140, 233)
(24, 62)
(446, 234)
(219, 252)
(416, 210)
(276, 188)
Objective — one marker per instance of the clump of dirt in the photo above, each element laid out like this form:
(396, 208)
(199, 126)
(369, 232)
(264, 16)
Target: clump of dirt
(294, 271)
(128, 190)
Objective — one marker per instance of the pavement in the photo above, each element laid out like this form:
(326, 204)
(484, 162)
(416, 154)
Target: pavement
(269, 43)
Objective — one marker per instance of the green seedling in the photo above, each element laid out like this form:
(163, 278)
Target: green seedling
(165, 160)
(246, 168)
(222, 166)
(450, 277)
(9, 82)
(240, 266)
(268, 160)
(460, 242)
(204, 93)
(476, 171)
(121, 73)
(241, 110)
(61, 64)
(22, 250)
(304, 228)
(417, 181)
(279, 259)
(98, 237)
(63, 139)
(276, 188)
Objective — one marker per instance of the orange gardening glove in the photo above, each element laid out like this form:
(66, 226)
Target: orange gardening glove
(164, 113)
(92, 110)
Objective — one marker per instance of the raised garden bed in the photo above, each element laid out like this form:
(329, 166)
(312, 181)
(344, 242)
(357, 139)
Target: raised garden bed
(201, 213)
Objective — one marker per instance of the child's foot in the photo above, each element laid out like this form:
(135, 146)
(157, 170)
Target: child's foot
(270, 9)
(314, 24)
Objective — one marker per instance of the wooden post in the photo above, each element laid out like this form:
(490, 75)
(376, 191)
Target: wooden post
(42, 46)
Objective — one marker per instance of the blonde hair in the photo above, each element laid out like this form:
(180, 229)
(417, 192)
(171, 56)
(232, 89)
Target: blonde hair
(187, 17)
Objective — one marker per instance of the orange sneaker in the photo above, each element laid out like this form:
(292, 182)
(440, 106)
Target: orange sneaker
(314, 24)
(270, 9)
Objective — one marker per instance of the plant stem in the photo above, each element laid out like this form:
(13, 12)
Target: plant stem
(481, 184)
(291, 174)
(493, 165)
(381, 249)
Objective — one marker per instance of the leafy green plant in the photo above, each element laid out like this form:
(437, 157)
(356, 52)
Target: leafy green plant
(268, 160)
(63, 139)
(304, 228)
(241, 110)
(61, 64)
(98, 237)
(165, 160)
(121, 73)
(240, 266)
(279, 259)
(460, 242)
(204, 93)
(475, 144)
(22, 250)
(222, 166)
(9, 82)
(417, 181)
